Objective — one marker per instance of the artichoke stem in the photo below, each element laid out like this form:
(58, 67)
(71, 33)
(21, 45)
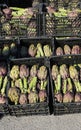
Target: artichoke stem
(38, 54)
(69, 85)
(12, 84)
(1, 79)
(40, 49)
(76, 86)
(25, 83)
(64, 85)
(59, 82)
(56, 86)
(21, 85)
(79, 86)
(33, 83)
(42, 85)
(4, 85)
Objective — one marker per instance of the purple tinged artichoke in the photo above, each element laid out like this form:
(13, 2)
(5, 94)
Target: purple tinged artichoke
(59, 51)
(24, 71)
(42, 73)
(67, 50)
(42, 96)
(33, 97)
(23, 99)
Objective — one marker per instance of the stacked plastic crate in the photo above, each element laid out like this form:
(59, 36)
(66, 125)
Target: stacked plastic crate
(63, 22)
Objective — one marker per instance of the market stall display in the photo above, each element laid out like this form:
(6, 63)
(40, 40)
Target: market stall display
(40, 52)
(61, 23)
(67, 47)
(28, 92)
(65, 83)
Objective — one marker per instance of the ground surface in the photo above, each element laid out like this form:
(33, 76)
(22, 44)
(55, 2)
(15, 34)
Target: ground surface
(64, 122)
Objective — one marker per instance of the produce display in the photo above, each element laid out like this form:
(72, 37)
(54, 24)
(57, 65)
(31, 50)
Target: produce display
(9, 50)
(28, 84)
(24, 86)
(67, 50)
(66, 83)
(18, 21)
(37, 50)
(3, 82)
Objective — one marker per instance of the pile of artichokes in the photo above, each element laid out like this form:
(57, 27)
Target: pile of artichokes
(67, 83)
(18, 21)
(28, 84)
(67, 50)
(9, 50)
(37, 51)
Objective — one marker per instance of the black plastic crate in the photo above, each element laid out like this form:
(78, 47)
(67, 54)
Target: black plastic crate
(19, 27)
(26, 42)
(30, 109)
(4, 110)
(64, 26)
(68, 5)
(41, 108)
(9, 48)
(64, 108)
(67, 108)
(67, 41)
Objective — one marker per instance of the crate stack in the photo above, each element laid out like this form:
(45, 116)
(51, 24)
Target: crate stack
(40, 52)
(62, 21)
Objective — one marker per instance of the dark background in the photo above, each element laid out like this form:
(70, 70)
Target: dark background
(17, 3)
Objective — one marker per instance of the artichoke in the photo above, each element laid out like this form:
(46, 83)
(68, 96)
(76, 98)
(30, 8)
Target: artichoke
(5, 50)
(7, 28)
(3, 100)
(32, 50)
(23, 99)
(59, 51)
(68, 97)
(73, 73)
(14, 73)
(3, 69)
(13, 49)
(42, 96)
(42, 73)
(78, 97)
(33, 97)
(24, 71)
(76, 49)
(67, 50)
(47, 50)
(58, 97)
(33, 70)
(13, 94)
(54, 72)
(64, 72)
(7, 11)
